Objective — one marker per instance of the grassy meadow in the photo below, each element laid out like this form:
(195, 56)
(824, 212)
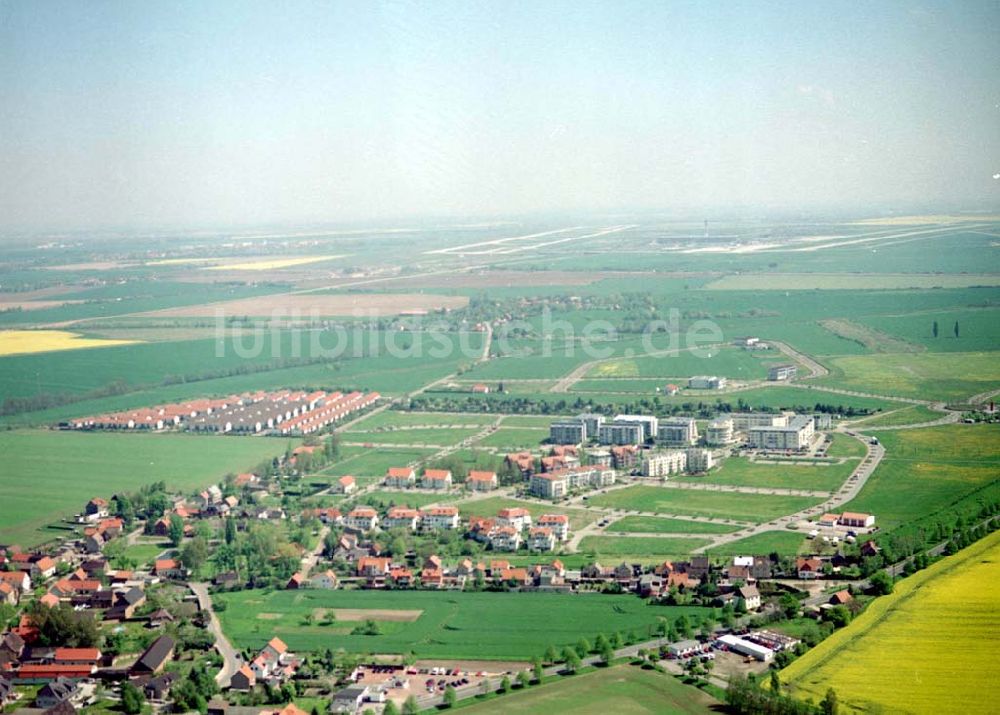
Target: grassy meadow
(624, 690)
(718, 505)
(501, 626)
(48, 474)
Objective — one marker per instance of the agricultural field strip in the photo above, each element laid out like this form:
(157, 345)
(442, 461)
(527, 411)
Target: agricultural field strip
(915, 631)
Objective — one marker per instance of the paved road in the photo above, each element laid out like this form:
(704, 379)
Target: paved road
(848, 491)
(815, 368)
(231, 659)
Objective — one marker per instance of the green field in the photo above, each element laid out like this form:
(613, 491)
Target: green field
(49, 474)
(663, 525)
(927, 376)
(979, 329)
(415, 500)
(451, 624)
(915, 414)
(846, 446)
(926, 470)
(720, 505)
(644, 549)
(624, 690)
(730, 362)
(514, 438)
(740, 471)
(396, 418)
(787, 543)
(372, 461)
(437, 436)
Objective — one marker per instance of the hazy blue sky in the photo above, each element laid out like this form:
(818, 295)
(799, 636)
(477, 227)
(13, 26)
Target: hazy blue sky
(146, 113)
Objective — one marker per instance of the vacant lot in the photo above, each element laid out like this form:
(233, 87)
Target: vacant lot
(25, 342)
(439, 436)
(624, 690)
(321, 304)
(720, 505)
(786, 543)
(48, 474)
(926, 470)
(663, 525)
(395, 418)
(939, 662)
(740, 471)
(643, 549)
(514, 438)
(494, 626)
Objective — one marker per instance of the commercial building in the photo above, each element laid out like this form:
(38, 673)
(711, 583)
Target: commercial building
(741, 645)
(706, 382)
(677, 431)
(796, 435)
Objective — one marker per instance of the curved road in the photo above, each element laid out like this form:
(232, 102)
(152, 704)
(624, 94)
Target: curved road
(231, 659)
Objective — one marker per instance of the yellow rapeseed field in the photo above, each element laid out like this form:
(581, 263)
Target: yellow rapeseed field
(23, 342)
(927, 648)
(616, 368)
(269, 265)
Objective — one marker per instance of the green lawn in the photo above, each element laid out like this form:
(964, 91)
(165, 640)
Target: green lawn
(450, 625)
(926, 470)
(395, 418)
(439, 436)
(515, 438)
(384, 499)
(639, 548)
(663, 525)
(786, 543)
(740, 471)
(722, 505)
(624, 690)
(846, 446)
(51, 474)
(914, 414)
(372, 461)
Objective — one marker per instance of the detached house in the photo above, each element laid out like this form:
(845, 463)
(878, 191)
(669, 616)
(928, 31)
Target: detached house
(516, 517)
(809, 568)
(436, 479)
(401, 477)
(361, 518)
(346, 485)
(401, 517)
(440, 517)
(558, 523)
(480, 481)
(541, 538)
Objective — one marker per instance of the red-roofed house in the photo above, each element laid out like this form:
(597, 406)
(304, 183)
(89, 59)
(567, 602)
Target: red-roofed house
(436, 479)
(856, 520)
(361, 518)
(43, 568)
(439, 517)
(77, 656)
(558, 523)
(514, 516)
(400, 477)
(401, 517)
(21, 580)
(809, 568)
(346, 485)
(481, 481)
(373, 566)
(243, 680)
(168, 568)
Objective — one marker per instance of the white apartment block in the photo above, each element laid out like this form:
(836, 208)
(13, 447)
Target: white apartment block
(699, 460)
(663, 464)
(440, 517)
(557, 523)
(720, 431)
(680, 431)
(796, 435)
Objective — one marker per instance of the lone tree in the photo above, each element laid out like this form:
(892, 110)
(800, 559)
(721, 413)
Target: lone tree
(934, 329)
(450, 698)
(775, 682)
(410, 707)
(572, 660)
(956, 328)
(828, 705)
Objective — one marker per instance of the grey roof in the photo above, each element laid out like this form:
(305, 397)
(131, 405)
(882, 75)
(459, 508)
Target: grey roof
(155, 655)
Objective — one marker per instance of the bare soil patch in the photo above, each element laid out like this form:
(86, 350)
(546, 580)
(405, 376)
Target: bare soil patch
(872, 339)
(268, 616)
(364, 614)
